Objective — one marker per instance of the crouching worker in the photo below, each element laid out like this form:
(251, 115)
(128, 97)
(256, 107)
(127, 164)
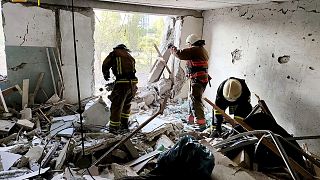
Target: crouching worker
(235, 94)
(125, 88)
(197, 66)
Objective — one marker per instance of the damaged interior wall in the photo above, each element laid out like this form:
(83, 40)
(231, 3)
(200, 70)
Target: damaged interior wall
(275, 48)
(84, 25)
(29, 30)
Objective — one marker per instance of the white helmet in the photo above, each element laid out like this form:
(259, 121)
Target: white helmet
(192, 38)
(232, 90)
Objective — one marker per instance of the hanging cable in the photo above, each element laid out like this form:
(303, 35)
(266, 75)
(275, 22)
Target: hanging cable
(80, 111)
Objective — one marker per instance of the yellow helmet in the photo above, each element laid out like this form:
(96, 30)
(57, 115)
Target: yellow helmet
(192, 38)
(232, 90)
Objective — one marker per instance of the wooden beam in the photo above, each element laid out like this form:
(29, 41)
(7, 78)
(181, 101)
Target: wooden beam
(25, 94)
(19, 89)
(36, 89)
(3, 102)
(51, 71)
(9, 91)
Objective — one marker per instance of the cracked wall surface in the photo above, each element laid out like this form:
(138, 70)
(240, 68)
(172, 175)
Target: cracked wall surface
(29, 30)
(264, 33)
(28, 26)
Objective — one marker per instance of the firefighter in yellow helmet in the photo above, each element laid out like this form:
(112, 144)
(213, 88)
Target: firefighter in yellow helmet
(235, 94)
(197, 70)
(125, 88)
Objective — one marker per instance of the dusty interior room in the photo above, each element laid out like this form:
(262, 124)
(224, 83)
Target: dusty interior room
(172, 89)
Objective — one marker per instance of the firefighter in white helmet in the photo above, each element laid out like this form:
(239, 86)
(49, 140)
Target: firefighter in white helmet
(235, 94)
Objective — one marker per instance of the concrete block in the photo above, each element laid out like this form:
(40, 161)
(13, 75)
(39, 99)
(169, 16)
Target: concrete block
(26, 113)
(34, 153)
(119, 153)
(132, 149)
(164, 141)
(122, 171)
(25, 124)
(8, 159)
(96, 116)
(163, 86)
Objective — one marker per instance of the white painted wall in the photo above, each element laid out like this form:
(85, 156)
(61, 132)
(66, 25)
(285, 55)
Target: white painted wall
(85, 52)
(28, 26)
(291, 28)
(183, 28)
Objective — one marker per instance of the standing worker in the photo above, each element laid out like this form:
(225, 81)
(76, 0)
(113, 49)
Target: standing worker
(197, 70)
(125, 88)
(235, 94)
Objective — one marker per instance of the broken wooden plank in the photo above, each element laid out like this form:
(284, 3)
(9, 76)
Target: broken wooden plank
(36, 89)
(25, 94)
(51, 71)
(159, 67)
(62, 156)
(8, 138)
(143, 158)
(139, 166)
(45, 117)
(19, 89)
(58, 69)
(8, 91)
(3, 102)
(49, 154)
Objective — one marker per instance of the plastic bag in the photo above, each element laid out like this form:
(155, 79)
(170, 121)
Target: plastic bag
(187, 159)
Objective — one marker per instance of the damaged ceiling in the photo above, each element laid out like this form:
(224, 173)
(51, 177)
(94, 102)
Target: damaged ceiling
(194, 4)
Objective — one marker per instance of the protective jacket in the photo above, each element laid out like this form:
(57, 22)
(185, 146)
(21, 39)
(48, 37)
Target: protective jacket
(122, 65)
(197, 62)
(240, 108)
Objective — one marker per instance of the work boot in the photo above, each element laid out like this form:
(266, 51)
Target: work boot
(114, 129)
(201, 123)
(190, 119)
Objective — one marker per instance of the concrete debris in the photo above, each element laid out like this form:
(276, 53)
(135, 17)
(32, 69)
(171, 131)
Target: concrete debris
(64, 126)
(26, 113)
(163, 86)
(163, 142)
(25, 124)
(7, 160)
(122, 171)
(49, 135)
(96, 115)
(6, 126)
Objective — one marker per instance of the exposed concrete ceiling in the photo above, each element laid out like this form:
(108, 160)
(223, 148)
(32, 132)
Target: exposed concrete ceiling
(194, 4)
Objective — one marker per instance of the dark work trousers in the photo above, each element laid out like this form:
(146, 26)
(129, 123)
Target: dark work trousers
(197, 89)
(120, 98)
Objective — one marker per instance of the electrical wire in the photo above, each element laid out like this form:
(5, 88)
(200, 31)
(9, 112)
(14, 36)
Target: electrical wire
(80, 111)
